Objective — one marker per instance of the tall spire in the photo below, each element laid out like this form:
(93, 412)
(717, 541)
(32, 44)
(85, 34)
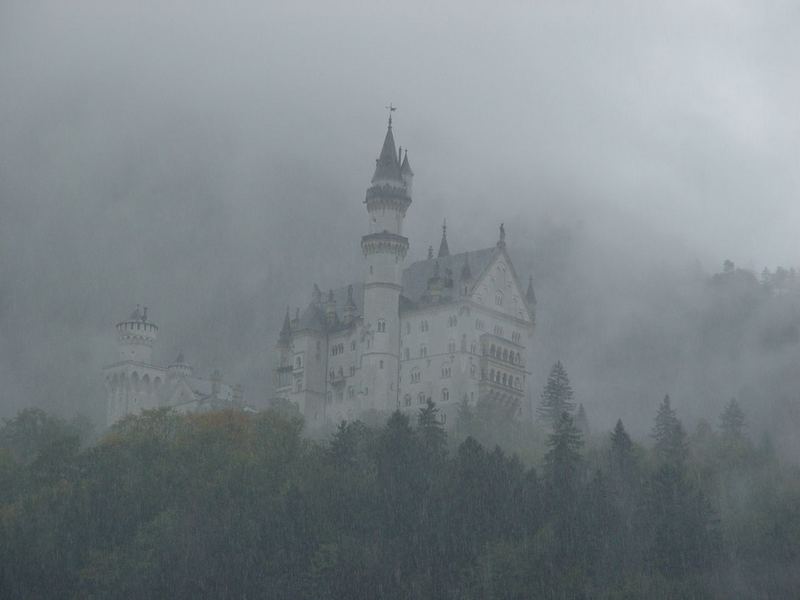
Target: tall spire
(529, 295)
(286, 330)
(443, 249)
(387, 167)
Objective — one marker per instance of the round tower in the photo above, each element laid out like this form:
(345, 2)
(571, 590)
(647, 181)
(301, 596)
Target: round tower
(136, 336)
(384, 248)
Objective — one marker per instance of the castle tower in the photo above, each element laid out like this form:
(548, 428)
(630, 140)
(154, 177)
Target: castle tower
(384, 248)
(133, 382)
(135, 337)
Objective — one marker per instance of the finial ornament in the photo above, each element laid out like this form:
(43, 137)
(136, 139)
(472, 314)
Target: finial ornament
(391, 108)
(502, 241)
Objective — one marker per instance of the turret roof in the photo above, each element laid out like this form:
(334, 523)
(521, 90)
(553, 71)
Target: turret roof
(443, 249)
(387, 167)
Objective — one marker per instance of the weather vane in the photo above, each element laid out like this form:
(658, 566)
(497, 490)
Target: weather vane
(391, 108)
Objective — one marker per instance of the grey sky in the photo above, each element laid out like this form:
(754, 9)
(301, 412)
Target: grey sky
(173, 153)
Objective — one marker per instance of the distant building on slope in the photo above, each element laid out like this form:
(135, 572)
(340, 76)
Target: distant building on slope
(451, 328)
(134, 383)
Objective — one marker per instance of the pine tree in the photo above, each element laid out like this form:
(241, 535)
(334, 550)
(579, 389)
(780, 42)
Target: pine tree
(732, 422)
(669, 435)
(431, 431)
(621, 450)
(557, 395)
(563, 459)
(581, 422)
(465, 418)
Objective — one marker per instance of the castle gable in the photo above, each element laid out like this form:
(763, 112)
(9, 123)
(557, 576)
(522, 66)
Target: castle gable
(498, 288)
(417, 275)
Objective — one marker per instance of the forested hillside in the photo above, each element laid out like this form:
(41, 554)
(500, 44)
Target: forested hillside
(236, 505)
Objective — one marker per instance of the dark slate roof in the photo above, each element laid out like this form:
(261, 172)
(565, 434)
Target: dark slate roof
(313, 317)
(416, 276)
(387, 167)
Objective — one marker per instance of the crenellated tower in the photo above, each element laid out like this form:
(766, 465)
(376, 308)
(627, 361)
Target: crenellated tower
(133, 381)
(384, 248)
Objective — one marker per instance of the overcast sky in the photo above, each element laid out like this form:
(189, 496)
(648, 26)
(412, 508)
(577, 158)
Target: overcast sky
(208, 159)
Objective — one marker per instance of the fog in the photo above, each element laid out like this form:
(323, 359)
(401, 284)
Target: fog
(210, 162)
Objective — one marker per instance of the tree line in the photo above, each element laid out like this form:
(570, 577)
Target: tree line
(236, 505)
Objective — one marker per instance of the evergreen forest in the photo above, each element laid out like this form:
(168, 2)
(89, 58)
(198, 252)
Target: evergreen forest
(242, 505)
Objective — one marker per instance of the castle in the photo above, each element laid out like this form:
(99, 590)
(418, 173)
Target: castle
(134, 383)
(452, 328)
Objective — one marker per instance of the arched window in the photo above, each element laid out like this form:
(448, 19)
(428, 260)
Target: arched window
(451, 346)
(492, 350)
(423, 351)
(445, 395)
(381, 326)
(407, 399)
(473, 370)
(421, 398)
(505, 354)
(298, 362)
(498, 298)
(504, 379)
(380, 364)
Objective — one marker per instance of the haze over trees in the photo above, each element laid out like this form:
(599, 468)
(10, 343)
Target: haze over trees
(232, 505)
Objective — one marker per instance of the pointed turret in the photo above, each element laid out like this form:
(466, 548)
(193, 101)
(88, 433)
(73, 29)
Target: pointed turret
(330, 309)
(387, 166)
(443, 249)
(350, 308)
(530, 297)
(466, 272)
(286, 330)
(406, 173)
(501, 242)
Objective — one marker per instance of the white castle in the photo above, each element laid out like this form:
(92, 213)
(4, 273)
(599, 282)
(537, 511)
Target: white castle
(452, 328)
(134, 383)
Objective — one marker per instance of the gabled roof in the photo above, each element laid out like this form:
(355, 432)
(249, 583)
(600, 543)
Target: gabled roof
(416, 276)
(313, 317)
(387, 167)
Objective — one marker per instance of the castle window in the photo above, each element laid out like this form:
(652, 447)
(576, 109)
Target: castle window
(351, 392)
(479, 325)
(298, 362)
(352, 370)
(421, 398)
(515, 337)
(445, 371)
(353, 345)
(423, 325)
(406, 354)
(380, 364)
(445, 395)
(443, 418)
(329, 398)
(516, 382)
(407, 399)
(498, 331)
(473, 348)
(504, 379)
(473, 371)
(452, 321)
(505, 354)
(381, 326)
(498, 299)
(451, 346)
(332, 375)
(341, 373)
(415, 375)
(423, 351)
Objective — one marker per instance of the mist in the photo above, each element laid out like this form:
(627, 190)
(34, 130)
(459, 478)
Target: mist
(210, 163)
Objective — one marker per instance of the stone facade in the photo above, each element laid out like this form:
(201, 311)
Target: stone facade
(134, 383)
(451, 328)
